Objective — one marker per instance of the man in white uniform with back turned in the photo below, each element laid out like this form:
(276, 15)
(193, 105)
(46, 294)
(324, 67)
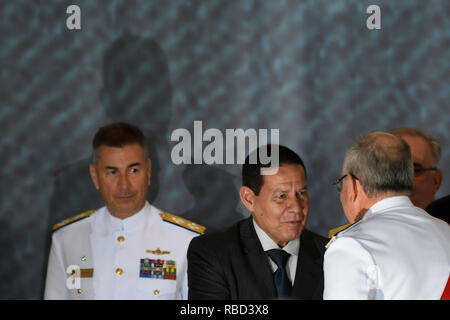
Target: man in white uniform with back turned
(128, 249)
(392, 249)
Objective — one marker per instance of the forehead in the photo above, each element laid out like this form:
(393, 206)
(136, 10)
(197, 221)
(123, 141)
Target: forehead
(287, 175)
(117, 155)
(420, 149)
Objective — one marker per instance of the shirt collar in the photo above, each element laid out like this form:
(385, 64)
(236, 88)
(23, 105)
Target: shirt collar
(128, 224)
(387, 203)
(267, 243)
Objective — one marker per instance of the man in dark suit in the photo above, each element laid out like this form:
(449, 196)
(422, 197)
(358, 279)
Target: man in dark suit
(269, 255)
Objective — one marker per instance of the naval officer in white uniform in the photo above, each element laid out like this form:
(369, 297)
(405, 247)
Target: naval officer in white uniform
(127, 249)
(392, 249)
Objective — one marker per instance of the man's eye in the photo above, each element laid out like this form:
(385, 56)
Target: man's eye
(302, 193)
(111, 171)
(133, 170)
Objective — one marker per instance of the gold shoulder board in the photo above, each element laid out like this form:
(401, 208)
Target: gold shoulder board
(334, 231)
(187, 224)
(72, 219)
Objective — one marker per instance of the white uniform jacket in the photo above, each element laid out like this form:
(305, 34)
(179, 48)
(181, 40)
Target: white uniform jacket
(141, 257)
(396, 251)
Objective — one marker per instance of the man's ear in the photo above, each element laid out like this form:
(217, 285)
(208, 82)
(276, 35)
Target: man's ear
(355, 188)
(93, 172)
(437, 180)
(149, 170)
(248, 198)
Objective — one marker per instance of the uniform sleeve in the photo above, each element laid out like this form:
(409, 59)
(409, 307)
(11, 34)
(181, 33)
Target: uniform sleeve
(184, 287)
(350, 272)
(205, 278)
(55, 284)
(184, 284)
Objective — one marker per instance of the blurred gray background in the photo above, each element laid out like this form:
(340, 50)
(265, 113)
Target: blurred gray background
(311, 69)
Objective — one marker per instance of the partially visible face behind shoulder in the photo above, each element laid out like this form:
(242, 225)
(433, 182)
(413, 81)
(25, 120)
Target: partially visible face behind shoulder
(426, 183)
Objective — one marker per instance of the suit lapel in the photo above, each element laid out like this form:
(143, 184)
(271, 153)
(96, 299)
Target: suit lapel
(257, 260)
(309, 269)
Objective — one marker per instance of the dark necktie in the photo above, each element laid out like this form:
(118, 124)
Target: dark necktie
(282, 282)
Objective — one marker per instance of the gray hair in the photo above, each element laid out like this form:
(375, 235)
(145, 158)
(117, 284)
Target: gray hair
(380, 167)
(434, 144)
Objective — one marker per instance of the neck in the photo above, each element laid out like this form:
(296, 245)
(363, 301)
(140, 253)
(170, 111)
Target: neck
(282, 244)
(124, 215)
(386, 195)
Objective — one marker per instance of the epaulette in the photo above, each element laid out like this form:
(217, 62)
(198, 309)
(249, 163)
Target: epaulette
(72, 219)
(333, 232)
(185, 223)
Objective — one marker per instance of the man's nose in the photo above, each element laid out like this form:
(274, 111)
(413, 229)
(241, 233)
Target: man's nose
(296, 204)
(124, 181)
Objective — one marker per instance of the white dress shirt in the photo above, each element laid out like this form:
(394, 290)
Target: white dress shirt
(292, 247)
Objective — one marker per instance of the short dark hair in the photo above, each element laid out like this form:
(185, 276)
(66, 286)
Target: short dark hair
(380, 168)
(117, 135)
(251, 173)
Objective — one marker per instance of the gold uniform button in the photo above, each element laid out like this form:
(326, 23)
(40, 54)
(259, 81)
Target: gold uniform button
(79, 291)
(119, 271)
(156, 292)
(121, 239)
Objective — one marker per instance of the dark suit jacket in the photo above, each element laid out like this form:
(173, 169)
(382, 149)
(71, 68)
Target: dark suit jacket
(233, 265)
(440, 208)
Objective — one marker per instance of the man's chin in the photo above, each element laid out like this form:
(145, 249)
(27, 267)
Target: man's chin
(124, 210)
(294, 228)
(292, 235)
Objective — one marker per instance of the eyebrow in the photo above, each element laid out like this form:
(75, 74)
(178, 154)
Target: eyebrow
(129, 166)
(286, 190)
(134, 164)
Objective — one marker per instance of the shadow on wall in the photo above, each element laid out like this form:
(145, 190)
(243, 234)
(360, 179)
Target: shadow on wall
(215, 197)
(22, 203)
(137, 89)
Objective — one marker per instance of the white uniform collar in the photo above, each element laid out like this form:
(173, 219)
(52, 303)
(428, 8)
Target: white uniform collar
(267, 242)
(387, 203)
(128, 224)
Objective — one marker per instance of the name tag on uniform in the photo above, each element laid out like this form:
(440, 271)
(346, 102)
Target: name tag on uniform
(85, 273)
(158, 269)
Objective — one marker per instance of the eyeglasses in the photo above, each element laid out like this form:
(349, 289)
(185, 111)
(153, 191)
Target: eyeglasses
(418, 170)
(338, 182)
